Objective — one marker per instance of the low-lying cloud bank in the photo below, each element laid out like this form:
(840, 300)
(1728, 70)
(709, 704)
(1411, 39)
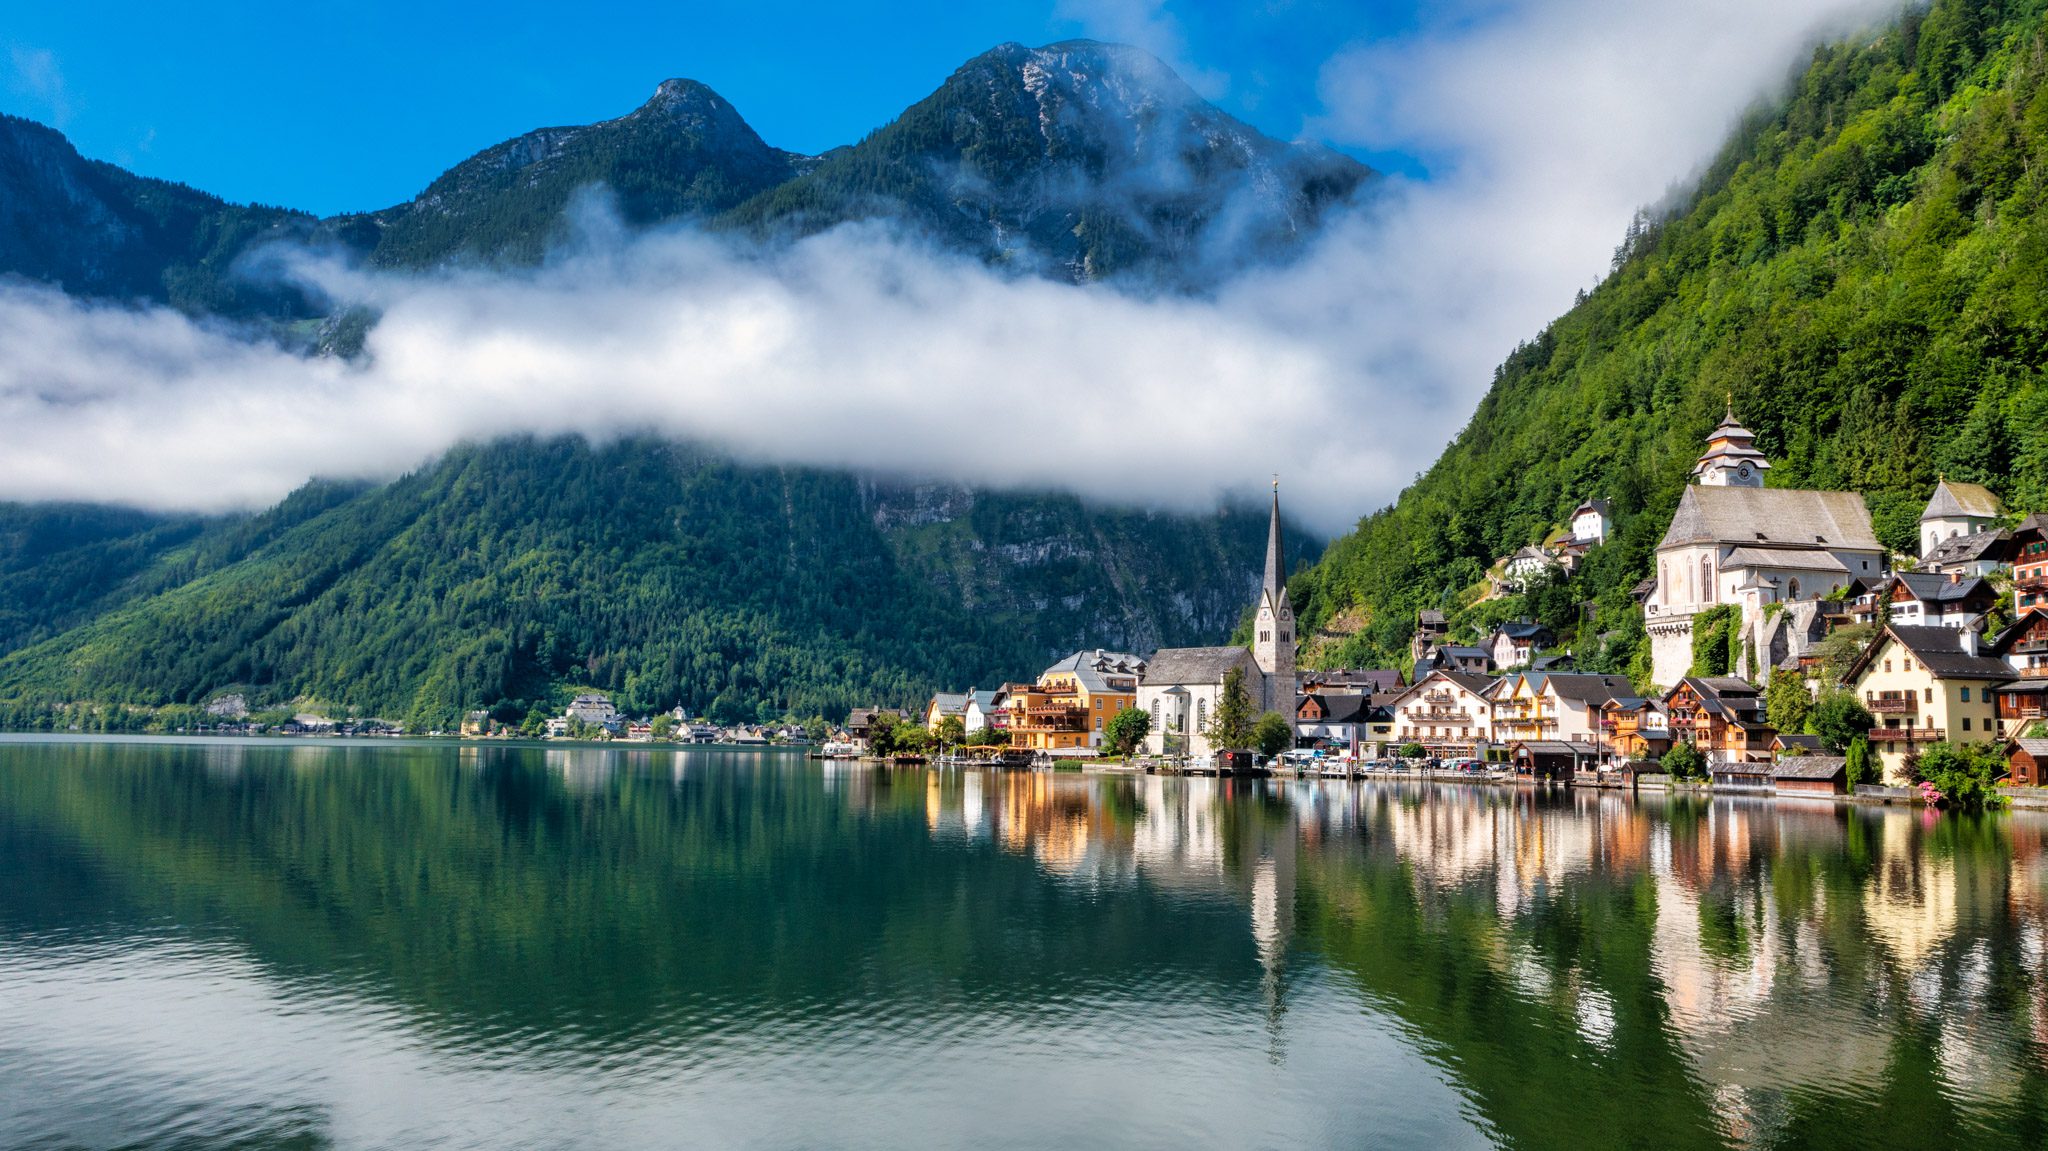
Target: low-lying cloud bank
(1345, 372)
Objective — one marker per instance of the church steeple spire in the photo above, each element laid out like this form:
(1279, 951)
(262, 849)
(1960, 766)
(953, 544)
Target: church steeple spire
(1275, 587)
(1273, 642)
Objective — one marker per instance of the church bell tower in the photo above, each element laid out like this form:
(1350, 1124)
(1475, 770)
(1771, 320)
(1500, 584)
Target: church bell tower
(1273, 634)
(1731, 459)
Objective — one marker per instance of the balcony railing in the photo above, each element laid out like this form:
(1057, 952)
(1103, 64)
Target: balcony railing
(1892, 705)
(1903, 734)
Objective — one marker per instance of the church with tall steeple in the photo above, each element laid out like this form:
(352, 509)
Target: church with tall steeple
(1273, 634)
(1182, 685)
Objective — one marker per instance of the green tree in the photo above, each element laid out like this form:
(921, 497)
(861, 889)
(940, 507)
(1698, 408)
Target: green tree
(1787, 702)
(1127, 729)
(1839, 648)
(1230, 727)
(1837, 718)
(952, 731)
(988, 736)
(1685, 762)
(816, 729)
(910, 739)
(664, 726)
(1965, 774)
(1272, 734)
(1412, 751)
(1861, 767)
(882, 731)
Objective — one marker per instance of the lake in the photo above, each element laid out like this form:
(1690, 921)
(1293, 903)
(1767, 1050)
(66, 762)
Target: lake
(247, 943)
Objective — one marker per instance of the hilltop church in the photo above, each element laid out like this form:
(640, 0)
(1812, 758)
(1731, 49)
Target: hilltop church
(1734, 541)
(1183, 684)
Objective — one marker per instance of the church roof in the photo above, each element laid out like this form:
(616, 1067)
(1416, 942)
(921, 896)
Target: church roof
(1794, 558)
(1771, 517)
(1952, 499)
(1174, 665)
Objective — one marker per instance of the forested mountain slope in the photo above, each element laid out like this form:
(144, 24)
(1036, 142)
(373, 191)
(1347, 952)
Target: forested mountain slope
(97, 230)
(1863, 268)
(503, 575)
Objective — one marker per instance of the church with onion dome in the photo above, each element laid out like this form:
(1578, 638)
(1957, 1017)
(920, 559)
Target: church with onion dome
(1734, 541)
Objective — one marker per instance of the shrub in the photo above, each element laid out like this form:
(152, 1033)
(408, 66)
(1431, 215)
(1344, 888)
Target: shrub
(1684, 761)
(1964, 775)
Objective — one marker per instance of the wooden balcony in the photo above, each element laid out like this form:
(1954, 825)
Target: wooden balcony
(1892, 705)
(1904, 735)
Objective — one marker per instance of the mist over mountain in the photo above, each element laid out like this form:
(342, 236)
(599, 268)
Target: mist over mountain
(662, 574)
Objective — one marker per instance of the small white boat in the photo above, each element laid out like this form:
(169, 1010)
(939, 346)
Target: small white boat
(838, 749)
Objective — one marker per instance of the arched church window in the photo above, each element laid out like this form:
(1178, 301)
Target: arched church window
(1793, 588)
(1201, 714)
(1706, 578)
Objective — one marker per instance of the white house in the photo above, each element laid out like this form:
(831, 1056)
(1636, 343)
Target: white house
(1449, 713)
(1590, 524)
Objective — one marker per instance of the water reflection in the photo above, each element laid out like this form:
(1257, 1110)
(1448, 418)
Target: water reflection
(381, 945)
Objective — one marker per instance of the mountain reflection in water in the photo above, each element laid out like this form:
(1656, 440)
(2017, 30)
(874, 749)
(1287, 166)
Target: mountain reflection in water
(267, 944)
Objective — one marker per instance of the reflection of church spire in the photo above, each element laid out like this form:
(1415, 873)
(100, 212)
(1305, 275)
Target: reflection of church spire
(1272, 931)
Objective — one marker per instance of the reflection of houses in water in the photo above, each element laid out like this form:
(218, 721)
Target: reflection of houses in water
(583, 770)
(1910, 901)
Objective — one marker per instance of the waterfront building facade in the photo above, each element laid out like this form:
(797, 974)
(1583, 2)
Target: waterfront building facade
(1926, 685)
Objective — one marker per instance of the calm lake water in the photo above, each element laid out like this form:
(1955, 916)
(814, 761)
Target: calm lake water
(241, 944)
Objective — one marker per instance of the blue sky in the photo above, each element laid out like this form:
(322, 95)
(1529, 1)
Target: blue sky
(335, 107)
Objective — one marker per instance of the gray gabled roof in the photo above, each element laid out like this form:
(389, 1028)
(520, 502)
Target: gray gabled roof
(1940, 650)
(1585, 688)
(1809, 767)
(1985, 545)
(1954, 500)
(1933, 587)
(1771, 517)
(949, 702)
(1177, 665)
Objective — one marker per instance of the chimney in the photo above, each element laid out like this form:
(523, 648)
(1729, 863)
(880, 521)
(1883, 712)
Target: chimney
(1955, 577)
(1969, 640)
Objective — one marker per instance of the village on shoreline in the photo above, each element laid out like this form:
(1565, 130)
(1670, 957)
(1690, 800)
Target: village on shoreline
(1803, 658)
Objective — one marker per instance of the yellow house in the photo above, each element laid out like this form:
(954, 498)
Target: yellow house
(1071, 703)
(1926, 685)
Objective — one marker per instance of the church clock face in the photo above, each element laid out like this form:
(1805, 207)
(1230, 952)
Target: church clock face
(1743, 471)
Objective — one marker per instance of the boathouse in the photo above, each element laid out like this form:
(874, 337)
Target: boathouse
(1811, 775)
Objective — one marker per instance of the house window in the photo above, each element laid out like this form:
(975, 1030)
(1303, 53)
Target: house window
(1930, 695)
(1966, 723)
(1887, 665)
(1966, 699)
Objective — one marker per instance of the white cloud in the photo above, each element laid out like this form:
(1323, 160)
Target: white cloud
(33, 74)
(1345, 373)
